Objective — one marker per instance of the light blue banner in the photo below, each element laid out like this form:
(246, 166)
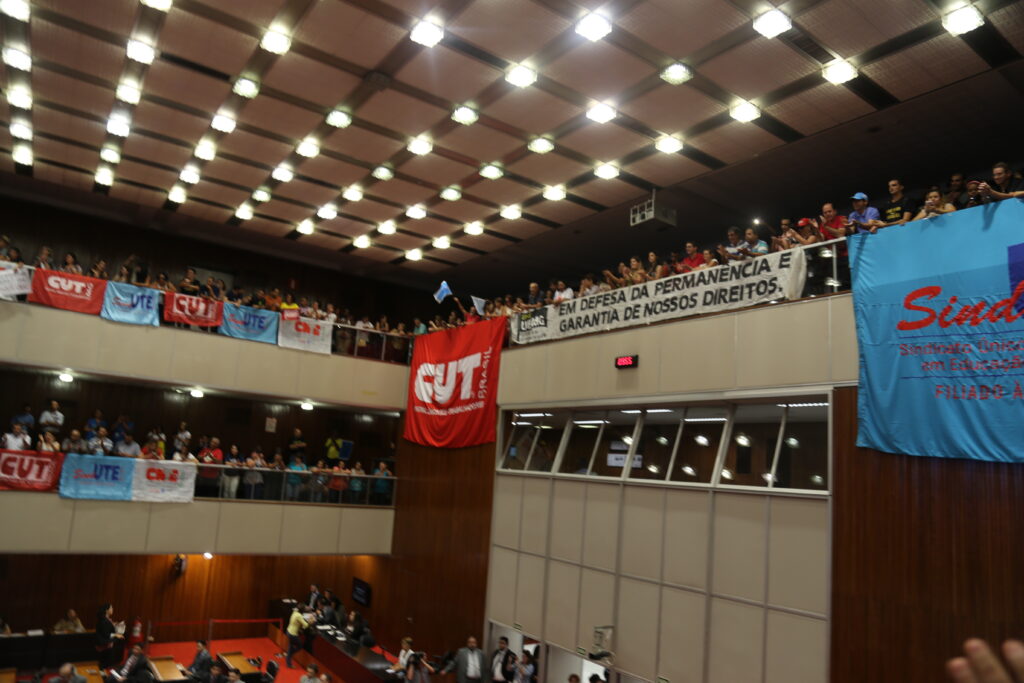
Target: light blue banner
(97, 477)
(126, 303)
(255, 324)
(939, 305)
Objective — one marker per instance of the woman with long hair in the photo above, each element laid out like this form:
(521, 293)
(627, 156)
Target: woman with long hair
(107, 636)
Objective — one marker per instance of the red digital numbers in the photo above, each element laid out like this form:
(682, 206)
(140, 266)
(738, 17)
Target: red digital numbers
(627, 361)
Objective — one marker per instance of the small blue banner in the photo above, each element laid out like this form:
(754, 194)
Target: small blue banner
(245, 322)
(938, 305)
(124, 303)
(97, 477)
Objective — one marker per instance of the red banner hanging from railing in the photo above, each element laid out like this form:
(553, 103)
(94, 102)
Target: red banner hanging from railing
(193, 310)
(29, 471)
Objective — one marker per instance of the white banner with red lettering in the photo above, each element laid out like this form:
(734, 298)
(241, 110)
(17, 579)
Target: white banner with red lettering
(193, 310)
(453, 386)
(305, 334)
(29, 471)
(67, 291)
(15, 282)
(163, 481)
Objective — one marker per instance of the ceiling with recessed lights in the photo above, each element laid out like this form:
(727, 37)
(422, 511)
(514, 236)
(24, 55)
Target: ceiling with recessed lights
(417, 136)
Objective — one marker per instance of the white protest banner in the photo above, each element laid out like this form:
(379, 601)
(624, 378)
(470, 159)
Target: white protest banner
(15, 282)
(305, 334)
(766, 278)
(163, 481)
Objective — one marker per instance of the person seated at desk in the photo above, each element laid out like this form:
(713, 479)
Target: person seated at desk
(69, 624)
(234, 676)
(67, 674)
(5, 628)
(354, 626)
(135, 669)
(325, 613)
(330, 597)
(403, 657)
(201, 663)
(216, 674)
(312, 674)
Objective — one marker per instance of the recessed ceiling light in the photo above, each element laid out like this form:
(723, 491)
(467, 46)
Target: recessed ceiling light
(189, 174)
(21, 130)
(474, 228)
(772, 23)
(387, 228)
(17, 59)
(339, 119)
(383, 173)
(110, 155)
(593, 27)
(427, 32)
(19, 96)
(452, 193)
(839, 71)
(128, 91)
(66, 377)
(206, 150)
(744, 111)
(309, 148)
(246, 87)
(554, 193)
(283, 173)
(177, 195)
(465, 115)
(606, 171)
(757, 221)
(162, 5)
(361, 242)
(305, 227)
(511, 212)
(601, 112)
(22, 154)
(244, 212)
(792, 442)
(416, 212)
(726, 474)
(442, 242)
(119, 124)
(540, 145)
(306, 405)
(963, 20)
(676, 73)
(140, 51)
(688, 469)
(328, 212)
(521, 76)
(223, 123)
(491, 171)
(261, 194)
(207, 556)
(16, 9)
(198, 393)
(414, 254)
(104, 176)
(352, 193)
(669, 144)
(276, 40)
(420, 145)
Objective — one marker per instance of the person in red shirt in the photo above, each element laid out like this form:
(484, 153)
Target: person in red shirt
(830, 224)
(207, 481)
(693, 259)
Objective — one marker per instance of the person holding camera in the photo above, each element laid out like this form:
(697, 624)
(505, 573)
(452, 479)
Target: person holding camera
(418, 669)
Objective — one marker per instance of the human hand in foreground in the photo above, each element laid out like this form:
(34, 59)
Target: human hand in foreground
(980, 665)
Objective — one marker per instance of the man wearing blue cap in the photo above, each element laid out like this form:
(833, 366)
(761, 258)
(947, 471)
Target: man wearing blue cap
(863, 218)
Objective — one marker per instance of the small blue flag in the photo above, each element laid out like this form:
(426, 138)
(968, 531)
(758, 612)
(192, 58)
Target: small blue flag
(443, 291)
(479, 304)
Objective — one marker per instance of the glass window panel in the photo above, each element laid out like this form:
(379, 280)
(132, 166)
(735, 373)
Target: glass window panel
(698, 447)
(544, 451)
(524, 429)
(585, 428)
(748, 457)
(614, 444)
(803, 458)
(657, 438)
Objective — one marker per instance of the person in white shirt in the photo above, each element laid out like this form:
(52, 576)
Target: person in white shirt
(468, 663)
(587, 286)
(562, 293)
(17, 439)
(403, 657)
(101, 444)
(182, 438)
(503, 661)
(52, 420)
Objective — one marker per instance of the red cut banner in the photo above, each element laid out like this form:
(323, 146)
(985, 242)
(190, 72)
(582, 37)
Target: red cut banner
(29, 471)
(453, 386)
(192, 310)
(67, 291)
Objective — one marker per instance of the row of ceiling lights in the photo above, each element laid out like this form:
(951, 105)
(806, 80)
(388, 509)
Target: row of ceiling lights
(428, 32)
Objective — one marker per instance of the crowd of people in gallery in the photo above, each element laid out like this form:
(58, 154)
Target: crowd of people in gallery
(296, 471)
(900, 207)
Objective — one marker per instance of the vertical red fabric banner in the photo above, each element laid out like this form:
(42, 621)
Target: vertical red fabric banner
(453, 386)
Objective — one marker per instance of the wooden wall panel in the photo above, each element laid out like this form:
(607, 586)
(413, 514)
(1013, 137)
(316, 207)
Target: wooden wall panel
(233, 419)
(926, 552)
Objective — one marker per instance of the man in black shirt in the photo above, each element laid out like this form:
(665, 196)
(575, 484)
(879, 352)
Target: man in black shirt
(900, 209)
(1004, 184)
